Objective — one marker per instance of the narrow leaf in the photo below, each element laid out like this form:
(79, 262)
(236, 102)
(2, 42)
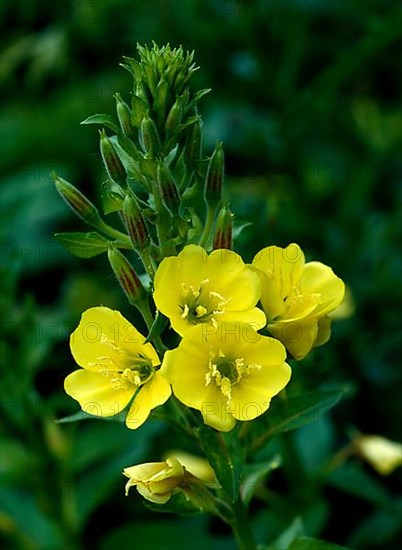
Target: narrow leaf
(103, 120)
(82, 415)
(308, 543)
(83, 245)
(158, 326)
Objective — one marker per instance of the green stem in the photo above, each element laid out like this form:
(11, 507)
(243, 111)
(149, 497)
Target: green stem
(211, 211)
(114, 233)
(241, 527)
(149, 320)
(148, 263)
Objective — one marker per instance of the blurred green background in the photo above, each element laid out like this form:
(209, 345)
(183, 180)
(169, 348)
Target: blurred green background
(306, 96)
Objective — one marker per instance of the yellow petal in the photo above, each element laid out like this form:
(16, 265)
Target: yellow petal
(254, 317)
(285, 265)
(153, 497)
(152, 394)
(216, 414)
(297, 336)
(319, 278)
(383, 455)
(271, 299)
(324, 331)
(95, 393)
(251, 396)
(105, 333)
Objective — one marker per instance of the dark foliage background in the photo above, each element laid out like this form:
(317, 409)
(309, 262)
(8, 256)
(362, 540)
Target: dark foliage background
(307, 99)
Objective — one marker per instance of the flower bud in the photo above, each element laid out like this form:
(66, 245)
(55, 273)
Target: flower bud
(111, 159)
(149, 137)
(124, 115)
(174, 117)
(77, 201)
(127, 277)
(214, 179)
(193, 147)
(167, 187)
(155, 481)
(161, 100)
(223, 231)
(135, 223)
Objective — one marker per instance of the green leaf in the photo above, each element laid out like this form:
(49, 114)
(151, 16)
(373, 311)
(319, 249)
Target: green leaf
(352, 479)
(254, 474)
(177, 504)
(112, 197)
(307, 543)
(239, 226)
(84, 245)
(286, 538)
(103, 120)
(158, 326)
(138, 110)
(82, 415)
(226, 456)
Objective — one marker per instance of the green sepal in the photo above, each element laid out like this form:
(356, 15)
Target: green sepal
(177, 504)
(139, 109)
(83, 245)
(308, 543)
(112, 197)
(103, 120)
(226, 456)
(158, 326)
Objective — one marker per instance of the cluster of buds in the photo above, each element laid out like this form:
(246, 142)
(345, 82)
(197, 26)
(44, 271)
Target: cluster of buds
(165, 192)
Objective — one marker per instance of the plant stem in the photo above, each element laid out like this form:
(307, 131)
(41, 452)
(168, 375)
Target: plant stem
(241, 527)
(149, 320)
(148, 264)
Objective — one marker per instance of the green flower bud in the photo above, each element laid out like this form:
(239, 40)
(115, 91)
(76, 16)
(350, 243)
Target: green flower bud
(77, 201)
(174, 117)
(193, 147)
(214, 179)
(167, 187)
(135, 223)
(161, 100)
(149, 137)
(223, 230)
(124, 115)
(114, 166)
(127, 277)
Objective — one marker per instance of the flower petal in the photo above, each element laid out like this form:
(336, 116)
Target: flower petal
(95, 393)
(150, 395)
(319, 278)
(297, 336)
(255, 318)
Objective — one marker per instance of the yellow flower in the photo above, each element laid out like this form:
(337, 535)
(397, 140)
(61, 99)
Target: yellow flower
(195, 287)
(155, 481)
(383, 455)
(116, 366)
(196, 465)
(229, 372)
(297, 297)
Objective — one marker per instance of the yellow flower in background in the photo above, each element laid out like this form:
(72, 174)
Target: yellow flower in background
(194, 288)
(229, 372)
(297, 297)
(155, 481)
(383, 455)
(116, 366)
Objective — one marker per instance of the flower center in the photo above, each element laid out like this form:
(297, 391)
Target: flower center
(138, 373)
(200, 305)
(226, 372)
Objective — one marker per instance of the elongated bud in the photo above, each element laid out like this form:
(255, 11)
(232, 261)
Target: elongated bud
(214, 179)
(193, 147)
(124, 115)
(149, 136)
(167, 187)
(127, 277)
(223, 231)
(135, 223)
(174, 117)
(114, 166)
(78, 202)
(161, 100)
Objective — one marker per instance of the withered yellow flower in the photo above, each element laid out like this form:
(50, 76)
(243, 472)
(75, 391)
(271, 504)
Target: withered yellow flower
(155, 481)
(117, 366)
(297, 297)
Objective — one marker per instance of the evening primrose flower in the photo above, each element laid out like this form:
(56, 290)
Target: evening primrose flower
(383, 455)
(228, 373)
(297, 297)
(116, 366)
(155, 481)
(195, 287)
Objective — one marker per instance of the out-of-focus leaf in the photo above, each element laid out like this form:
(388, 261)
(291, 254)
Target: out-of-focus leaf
(177, 504)
(288, 536)
(307, 543)
(83, 245)
(82, 415)
(253, 476)
(239, 226)
(352, 479)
